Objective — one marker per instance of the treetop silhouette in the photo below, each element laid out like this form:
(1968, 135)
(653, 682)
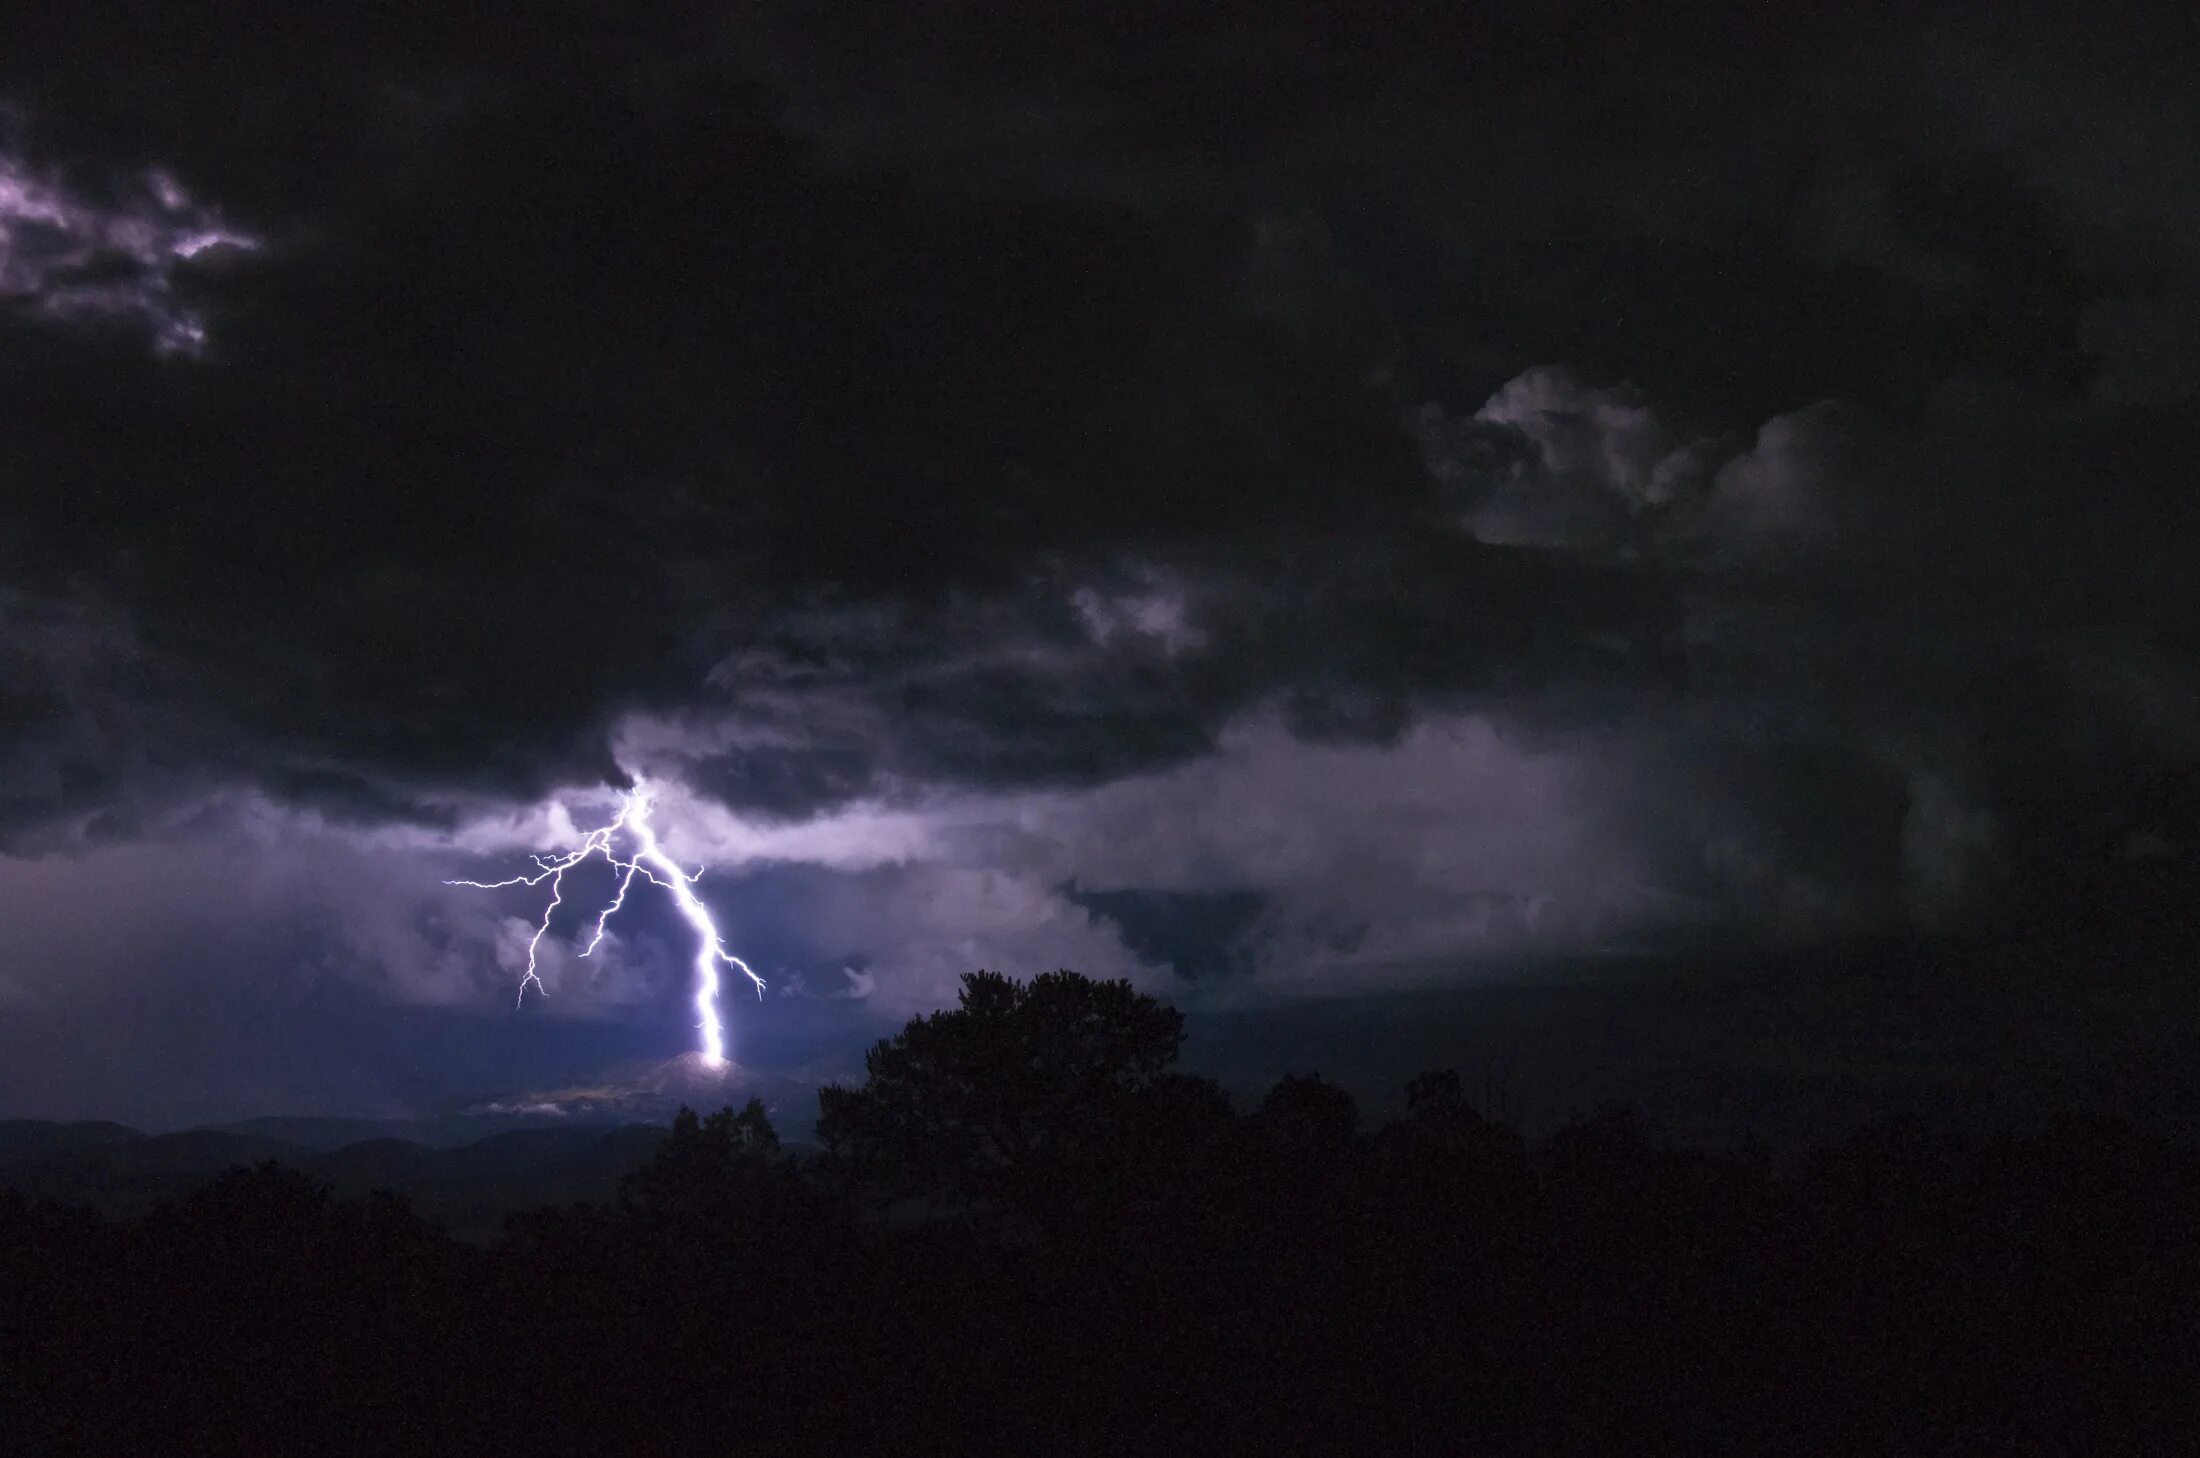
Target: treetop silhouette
(1017, 1085)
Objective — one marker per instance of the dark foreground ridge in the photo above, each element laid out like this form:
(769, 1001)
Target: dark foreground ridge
(1028, 1233)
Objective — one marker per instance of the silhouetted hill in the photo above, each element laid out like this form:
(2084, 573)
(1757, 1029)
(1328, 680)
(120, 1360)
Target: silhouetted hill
(467, 1187)
(470, 1189)
(130, 1174)
(451, 1131)
(317, 1133)
(516, 1151)
(25, 1139)
(371, 1164)
(435, 1131)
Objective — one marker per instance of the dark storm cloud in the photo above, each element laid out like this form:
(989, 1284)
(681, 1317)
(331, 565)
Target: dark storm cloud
(997, 396)
(1077, 677)
(1744, 206)
(554, 377)
(1201, 934)
(1875, 611)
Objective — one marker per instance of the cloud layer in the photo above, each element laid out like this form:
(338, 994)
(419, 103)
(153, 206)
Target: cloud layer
(1285, 503)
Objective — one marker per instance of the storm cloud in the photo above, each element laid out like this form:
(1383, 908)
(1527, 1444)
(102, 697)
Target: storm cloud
(1272, 503)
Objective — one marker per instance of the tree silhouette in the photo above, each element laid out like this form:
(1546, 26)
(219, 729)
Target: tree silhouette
(1449, 1154)
(1021, 1092)
(1308, 1113)
(1115, 1260)
(704, 1164)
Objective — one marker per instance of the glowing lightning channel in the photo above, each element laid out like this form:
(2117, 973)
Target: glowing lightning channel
(650, 862)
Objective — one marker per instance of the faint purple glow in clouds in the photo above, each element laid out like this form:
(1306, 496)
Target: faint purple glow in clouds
(59, 250)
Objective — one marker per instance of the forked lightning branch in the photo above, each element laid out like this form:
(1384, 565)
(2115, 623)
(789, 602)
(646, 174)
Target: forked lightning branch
(645, 858)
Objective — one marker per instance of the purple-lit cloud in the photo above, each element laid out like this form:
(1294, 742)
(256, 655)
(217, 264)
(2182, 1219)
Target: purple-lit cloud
(71, 256)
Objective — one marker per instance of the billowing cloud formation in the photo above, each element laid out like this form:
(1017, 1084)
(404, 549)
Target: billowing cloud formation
(501, 513)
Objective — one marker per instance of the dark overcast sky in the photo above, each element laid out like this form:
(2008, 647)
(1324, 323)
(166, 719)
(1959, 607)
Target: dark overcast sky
(1308, 503)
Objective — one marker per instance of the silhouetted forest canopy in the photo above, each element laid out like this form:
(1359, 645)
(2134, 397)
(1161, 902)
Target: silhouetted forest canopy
(1029, 1232)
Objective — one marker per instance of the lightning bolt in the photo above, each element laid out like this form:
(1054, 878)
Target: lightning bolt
(648, 860)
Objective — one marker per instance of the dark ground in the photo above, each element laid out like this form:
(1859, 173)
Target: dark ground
(1027, 1233)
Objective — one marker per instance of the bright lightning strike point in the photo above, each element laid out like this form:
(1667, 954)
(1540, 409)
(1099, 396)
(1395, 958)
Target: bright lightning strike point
(648, 860)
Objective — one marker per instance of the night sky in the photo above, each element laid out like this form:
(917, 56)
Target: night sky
(1648, 555)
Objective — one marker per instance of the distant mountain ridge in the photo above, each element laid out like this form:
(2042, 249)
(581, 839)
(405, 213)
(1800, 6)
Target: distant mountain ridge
(22, 1139)
(468, 1187)
(465, 1168)
(437, 1131)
